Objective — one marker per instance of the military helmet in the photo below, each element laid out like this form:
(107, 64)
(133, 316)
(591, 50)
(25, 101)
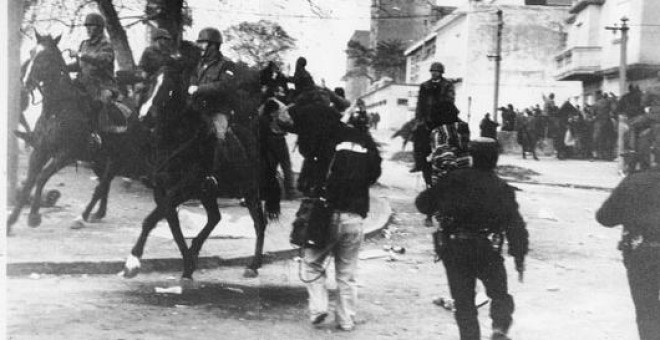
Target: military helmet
(94, 19)
(210, 34)
(437, 66)
(162, 33)
(484, 152)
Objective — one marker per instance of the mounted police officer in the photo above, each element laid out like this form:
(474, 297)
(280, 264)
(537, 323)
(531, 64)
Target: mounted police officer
(158, 54)
(95, 66)
(635, 203)
(435, 107)
(212, 90)
(477, 210)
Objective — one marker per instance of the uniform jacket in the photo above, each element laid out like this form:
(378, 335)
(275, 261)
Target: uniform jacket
(96, 65)
(216, 83)
(435, 103)
(477, 200)
(153, 59)
(635, 203)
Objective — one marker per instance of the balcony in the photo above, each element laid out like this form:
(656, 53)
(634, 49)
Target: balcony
(579, 5)
(578, 63)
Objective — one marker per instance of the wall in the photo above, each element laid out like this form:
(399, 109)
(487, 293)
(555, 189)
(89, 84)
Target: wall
(531, 37)
(385, 101)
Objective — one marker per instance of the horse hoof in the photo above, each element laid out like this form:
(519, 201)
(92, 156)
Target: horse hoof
(78, 223)
(96, 218)
(188, 283)
(250, 273)
(131, 267)
(34, 220)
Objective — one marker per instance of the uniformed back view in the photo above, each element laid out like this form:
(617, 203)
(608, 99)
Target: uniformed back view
(477, 211)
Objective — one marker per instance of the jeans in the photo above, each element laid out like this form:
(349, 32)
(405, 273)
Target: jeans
(643, 269)
(347, 228)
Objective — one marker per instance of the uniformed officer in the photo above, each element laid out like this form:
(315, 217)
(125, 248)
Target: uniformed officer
(635, 203)
(95, 66)
(212, 89)
(477, 210)
(435, 107)
(156, 55)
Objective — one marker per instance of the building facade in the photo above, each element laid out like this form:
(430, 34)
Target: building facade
(592, 53)
(465, 42)
(392, 102)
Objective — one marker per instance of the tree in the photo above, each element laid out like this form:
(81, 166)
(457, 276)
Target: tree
(387, 60)
(259, 42)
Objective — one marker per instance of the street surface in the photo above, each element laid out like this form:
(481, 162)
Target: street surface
(574, 288)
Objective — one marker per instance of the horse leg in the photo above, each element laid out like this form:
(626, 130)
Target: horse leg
(253, 204)
(100, 192)
(108, 176)
(56, 164)
(175, 227)
(212, 219)
(132, 265)
(36, 163)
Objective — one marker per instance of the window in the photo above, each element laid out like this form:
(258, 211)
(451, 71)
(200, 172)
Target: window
(402, 101)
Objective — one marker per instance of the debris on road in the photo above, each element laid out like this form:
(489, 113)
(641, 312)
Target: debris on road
(169, 290)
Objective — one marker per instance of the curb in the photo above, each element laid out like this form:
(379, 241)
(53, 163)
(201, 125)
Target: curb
(562, 185)
(172, 264)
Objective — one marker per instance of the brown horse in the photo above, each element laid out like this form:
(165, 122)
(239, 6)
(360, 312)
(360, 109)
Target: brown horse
(181, 143)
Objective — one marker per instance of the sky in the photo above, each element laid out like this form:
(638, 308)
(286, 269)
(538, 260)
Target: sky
(321, 33)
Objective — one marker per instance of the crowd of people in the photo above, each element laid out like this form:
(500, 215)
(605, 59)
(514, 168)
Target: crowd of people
(577, 132)
(476, 210)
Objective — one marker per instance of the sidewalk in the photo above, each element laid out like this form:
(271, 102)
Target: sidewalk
(102, 248)
(585, 174)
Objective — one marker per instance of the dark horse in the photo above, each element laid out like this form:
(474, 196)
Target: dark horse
(61, 135)
(181, 145)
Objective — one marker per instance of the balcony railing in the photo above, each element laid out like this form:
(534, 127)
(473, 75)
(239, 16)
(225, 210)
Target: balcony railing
(577, 63)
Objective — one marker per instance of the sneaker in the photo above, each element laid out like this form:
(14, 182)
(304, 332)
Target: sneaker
(318, 319)
(499, 334)
(343, 328)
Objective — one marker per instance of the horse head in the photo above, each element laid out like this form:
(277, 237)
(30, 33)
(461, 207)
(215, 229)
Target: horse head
(46, 64)
(171, 82)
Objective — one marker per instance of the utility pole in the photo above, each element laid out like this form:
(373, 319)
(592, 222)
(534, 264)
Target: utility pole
(623, 124)
(498, 59)
(12, 89)
(623, 52)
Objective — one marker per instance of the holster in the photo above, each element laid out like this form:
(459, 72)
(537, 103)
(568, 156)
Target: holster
(439, 244)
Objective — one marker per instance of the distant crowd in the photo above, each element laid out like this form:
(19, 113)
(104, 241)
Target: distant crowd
(577, 132)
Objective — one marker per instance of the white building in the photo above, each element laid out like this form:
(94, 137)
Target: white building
(392, 102)
(592, 53)
(465, 40)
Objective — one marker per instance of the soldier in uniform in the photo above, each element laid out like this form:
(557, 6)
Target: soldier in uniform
(478, 210)
(156, 55)
(435, 107)
(635, 203)
(212, 89)
(95, 66)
